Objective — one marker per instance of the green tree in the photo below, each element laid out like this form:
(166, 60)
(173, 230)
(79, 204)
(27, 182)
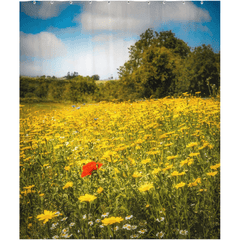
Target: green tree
(153, 65)
(203, 69)
(95, 77)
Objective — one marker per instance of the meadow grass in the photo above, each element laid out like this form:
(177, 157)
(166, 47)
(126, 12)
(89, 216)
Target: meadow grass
(154, 165)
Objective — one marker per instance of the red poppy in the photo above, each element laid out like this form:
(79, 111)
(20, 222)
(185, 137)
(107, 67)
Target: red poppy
(89, 168)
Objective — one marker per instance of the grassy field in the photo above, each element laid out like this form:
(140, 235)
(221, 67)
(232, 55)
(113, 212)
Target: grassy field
(147, 169)
(104, 81)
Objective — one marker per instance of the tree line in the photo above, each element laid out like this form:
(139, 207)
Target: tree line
(159, 65)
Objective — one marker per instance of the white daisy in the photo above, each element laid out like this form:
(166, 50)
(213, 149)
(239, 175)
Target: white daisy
(105, 214)
(128, 217)
(160, 234)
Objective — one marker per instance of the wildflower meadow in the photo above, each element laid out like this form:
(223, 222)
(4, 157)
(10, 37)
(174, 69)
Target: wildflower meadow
(141, 169)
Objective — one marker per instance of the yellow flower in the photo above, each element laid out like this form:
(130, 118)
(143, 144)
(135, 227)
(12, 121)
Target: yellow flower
(100, 189)
(192, 144)
(29, 187)
(212, 173)
(156, 170)
(214, 167)
(87, 198)
(193, 154)
(181, 184)
(29, 225)
(192, 184)
(198, 180)
(210, 146)
(146, 161)
(175, 173)
(67, 168)
(46, 216)
(68, 184)
(183, 162)
(145, 187)
(112, 220)
(204, 145)
(136, 175)
(116, 170)
(171, 157)
(190, 161)
(147, 205)
(41, 195)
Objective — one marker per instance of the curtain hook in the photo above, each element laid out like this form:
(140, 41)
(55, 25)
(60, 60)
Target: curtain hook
(163, 2)
(51, 2)
(71, 2)
(90, 2)
(148, 2)
(201, 2)
(109, 2)
(183, 2)
(128, 2)
(34, 2)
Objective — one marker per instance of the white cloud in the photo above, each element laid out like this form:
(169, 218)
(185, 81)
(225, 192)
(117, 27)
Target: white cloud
(43, 10)
(43, 45)
(100, 57)
(137, 16)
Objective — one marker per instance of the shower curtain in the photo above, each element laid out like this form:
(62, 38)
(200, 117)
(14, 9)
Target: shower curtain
(119, 119)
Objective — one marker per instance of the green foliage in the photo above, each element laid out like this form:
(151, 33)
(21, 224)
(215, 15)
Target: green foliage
(75, 89)
(95, 77)
(159, 65)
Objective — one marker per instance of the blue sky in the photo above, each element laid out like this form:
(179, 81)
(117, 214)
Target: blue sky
(94, 38)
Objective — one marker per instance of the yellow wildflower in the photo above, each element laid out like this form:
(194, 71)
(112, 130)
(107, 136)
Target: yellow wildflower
(146, 161)
(192, 144)
(171, 157)
(156, 170)
(136, 175)
(181, 184)
(193, 154)
(67, 168)
(46, 216)
(212, 173)
(116, 170)
(183, 162)
(87, 198)
(112, 220)
(198, 180)
(68, 184)
(41, 195)
(29, 187)
(145, 187)
(100, 189)
(214, 167)
(192, 184)
(175, 173)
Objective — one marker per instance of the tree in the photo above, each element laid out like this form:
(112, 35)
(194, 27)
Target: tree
(95, 77)
(203, 69)
(153, 65)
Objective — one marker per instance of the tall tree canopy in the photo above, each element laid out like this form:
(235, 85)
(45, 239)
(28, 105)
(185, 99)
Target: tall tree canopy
(161, 64)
